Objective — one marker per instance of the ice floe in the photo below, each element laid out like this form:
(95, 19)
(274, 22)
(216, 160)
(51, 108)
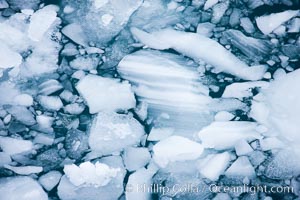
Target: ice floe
(166, 151)
(195, 46)
(100, 94)
(111, 132)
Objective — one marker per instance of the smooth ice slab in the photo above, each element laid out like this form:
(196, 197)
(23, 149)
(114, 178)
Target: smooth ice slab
(176, 148)
(215, 166)
(13, 146)
(169, 84)
(224, 135)
(270, 22)
(105, 94)
(196, 46)
(21, 187)
(112, 132)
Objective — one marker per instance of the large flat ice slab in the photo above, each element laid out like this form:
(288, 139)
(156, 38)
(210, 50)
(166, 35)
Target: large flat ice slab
(196, 46)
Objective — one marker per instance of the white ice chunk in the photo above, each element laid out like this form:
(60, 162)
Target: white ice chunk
(241, 168)
(243, 148)
(224, 116)
(176, 148)
(50, 102)
(270, 22)
(13, 146)
(23, 100)
(157, 134)
(109, 172)
(21, 187)
(24, 170)
(50, 180)
(87, 173)
(8, 57)
(210, 3)
(112, 132)
(218, 11)
(225, 135)
(195, 46)
(105, 94)
(40, 22)
(279, 109)
(135, 158)
(215, 166)
(75, 33)
(241, 90)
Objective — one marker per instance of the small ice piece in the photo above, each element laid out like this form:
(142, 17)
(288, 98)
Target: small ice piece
(235, 16)
(210, 3)
(176, 148)
(4, 159)
(195, 46)
(40, 22)
(270, 143)
(49, 87)
(141, 177)
(215, 166)
(247, 25)
(218, 11)
(225, 135)
(205, 29)
(74, 108)
(44, 121)
(87, 173)
(111, 132)
(242, 148)
(13, 146)
(50, 102)
(50, 180)
(99, 3)
(23, 100)
(105, 94)
(242, 90)
(157, 134)
(135, 158)
(24, 170)
(241, 168)
(106, 19)
(85, 63)
(8, 57)
(75, 33)
(45, 139)
(21, 187)
(22, 114)
(224, 116)
(268, 23)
